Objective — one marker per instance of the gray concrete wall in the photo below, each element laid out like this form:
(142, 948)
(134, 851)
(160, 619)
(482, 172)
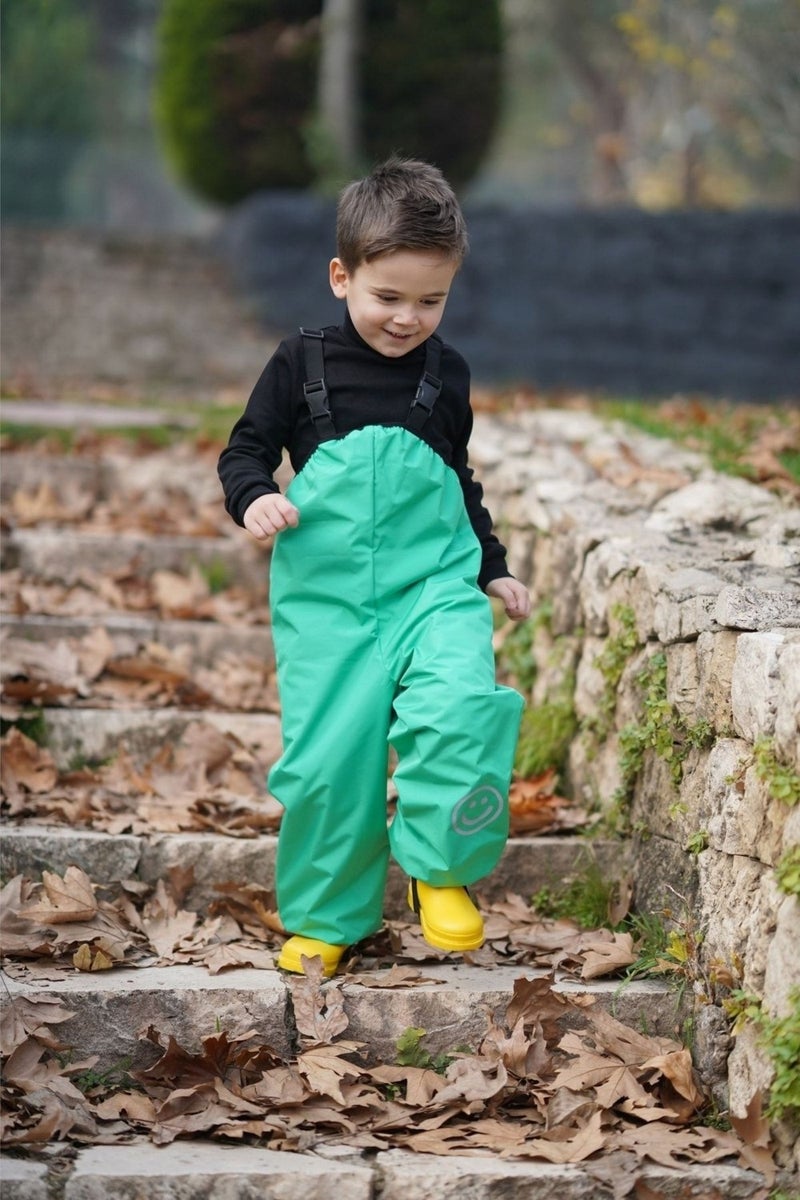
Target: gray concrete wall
(624, 300)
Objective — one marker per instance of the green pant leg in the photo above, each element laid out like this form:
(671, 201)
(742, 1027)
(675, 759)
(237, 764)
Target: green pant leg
(455, 732)
(333, 847)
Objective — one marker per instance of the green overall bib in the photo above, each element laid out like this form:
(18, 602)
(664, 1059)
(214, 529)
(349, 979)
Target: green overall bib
(382, 637)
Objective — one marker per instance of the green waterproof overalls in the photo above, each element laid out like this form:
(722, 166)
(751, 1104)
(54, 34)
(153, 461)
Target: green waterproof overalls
(382, 636)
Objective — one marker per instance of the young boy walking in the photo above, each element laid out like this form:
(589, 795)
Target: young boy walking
(383, 554)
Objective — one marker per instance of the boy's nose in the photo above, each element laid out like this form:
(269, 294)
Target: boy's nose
(405, 316)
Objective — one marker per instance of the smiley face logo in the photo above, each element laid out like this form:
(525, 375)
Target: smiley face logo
(476, 810)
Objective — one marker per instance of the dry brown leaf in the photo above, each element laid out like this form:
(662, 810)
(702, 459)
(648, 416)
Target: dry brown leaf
(396, 977)
(677, 1068)
(318, 1012)
(30, 1017)
(325, 1067)
(84, 960)
(603, 955)
(231, 957)
(68, 899)
(24, 765)
(574, 1149)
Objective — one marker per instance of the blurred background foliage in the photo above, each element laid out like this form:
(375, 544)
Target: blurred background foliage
(156, 113)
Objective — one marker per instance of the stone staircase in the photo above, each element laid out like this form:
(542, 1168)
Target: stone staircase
(51, 563)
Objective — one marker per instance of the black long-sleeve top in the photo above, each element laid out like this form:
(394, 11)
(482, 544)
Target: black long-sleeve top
(364, 388)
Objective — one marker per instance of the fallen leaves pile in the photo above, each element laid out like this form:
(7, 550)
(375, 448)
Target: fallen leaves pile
(162, 593)
(557, 1079)
(91, 671)
(203, 780)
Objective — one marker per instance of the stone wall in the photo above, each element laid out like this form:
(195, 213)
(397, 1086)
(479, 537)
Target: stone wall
(627, 301)
(637, 302)
(84, 308)
(672, 602)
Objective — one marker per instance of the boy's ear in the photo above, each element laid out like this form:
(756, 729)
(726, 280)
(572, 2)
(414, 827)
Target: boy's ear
(339, 277)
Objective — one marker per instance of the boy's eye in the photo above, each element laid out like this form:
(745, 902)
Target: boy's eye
(386, 299)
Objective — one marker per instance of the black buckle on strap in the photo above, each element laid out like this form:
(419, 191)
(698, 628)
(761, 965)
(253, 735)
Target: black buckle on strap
(427, 392)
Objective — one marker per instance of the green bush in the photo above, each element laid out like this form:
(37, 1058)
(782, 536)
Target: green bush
(237, 88)
(235, 84)
(431, 81)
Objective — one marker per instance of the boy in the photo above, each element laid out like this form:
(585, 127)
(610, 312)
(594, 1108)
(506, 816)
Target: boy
(382, 555)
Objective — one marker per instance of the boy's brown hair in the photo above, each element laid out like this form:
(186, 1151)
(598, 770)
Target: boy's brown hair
(403, 204)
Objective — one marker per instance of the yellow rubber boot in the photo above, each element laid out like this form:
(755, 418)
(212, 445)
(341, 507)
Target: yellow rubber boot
(449, 919)
(297, 948)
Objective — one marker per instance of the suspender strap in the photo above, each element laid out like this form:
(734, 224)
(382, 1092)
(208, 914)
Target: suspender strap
(314, 389)
(429, 386)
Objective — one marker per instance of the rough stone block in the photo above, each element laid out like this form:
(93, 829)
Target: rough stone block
(211, 1170)
(721, 502)
(589, 681)
(673, 602)
(30, 850)
(782, 975)
(408, 1176)
(757, 608)
(612, 558)
(23, 1180)
(744, 819)
(743, 926)
(755, 682)
(683, 677)
(112, 1007)
(787, 704)
(593, 772)
(666, 877)
(716, 653)
(97, 734)
(214, 860)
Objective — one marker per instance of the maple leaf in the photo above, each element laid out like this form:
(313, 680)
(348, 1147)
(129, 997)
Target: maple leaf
(533, 1001)
(24, 765)
(575, 1148)
(324, 1067)
(604, 953)
(318, 1012)
(676, 1066)
(164, 925)
(422, 1084)
(471, 1079)
(231, 957)
(69, 899)
(19, 937)
(30, 1016)
(396, 977)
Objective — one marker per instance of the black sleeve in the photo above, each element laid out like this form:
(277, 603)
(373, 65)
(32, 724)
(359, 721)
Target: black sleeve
(248, 463)
(494, 565)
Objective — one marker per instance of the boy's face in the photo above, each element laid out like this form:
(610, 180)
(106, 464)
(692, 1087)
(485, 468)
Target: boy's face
(395, 301)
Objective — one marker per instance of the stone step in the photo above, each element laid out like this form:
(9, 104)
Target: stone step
(182, 470)
(53, 555)
(96, 734)
(113, 472)
(527, 865)
(207, 639)
(221, 1171)
(453, 1007)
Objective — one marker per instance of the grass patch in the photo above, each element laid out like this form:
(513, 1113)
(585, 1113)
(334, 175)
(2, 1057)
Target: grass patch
(585, 899)
(729, 434)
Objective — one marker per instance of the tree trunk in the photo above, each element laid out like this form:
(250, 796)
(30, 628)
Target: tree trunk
(338, 81)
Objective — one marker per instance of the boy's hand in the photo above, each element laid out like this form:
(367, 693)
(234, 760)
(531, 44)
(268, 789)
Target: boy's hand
(269, 514)
(515, 597)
